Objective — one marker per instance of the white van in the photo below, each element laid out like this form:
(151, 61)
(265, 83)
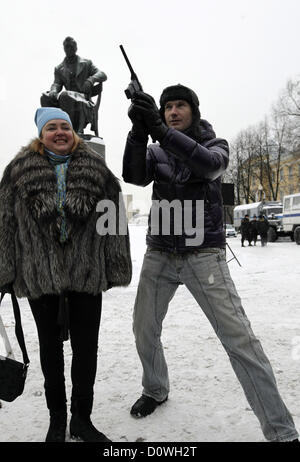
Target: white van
(291, 216)
(267, 208)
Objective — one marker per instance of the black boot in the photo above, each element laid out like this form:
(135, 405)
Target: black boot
(81, 426)
(83, 429)
(57, 429)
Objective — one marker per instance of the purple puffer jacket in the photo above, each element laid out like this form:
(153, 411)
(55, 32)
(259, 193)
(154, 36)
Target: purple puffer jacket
(181, 169)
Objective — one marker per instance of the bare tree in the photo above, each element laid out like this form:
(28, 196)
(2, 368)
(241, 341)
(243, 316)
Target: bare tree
(257, 152)
(270, 147)
(244, 155)
(288, 107)
(282, 131)
(290, 98)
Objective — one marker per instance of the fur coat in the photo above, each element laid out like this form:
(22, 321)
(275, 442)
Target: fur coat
(31, 255)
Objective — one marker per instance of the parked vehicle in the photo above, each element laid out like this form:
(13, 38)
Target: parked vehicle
(291, 216)
(272, 210)
(230, 230)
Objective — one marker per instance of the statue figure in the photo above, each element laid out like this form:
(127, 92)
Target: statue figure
(78, 76)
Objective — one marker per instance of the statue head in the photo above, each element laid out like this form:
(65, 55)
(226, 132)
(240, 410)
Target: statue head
(70, 47)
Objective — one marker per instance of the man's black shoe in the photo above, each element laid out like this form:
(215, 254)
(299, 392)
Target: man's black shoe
(145, 406)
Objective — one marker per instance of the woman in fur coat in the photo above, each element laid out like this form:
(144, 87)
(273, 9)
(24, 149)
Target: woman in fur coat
(54, 253)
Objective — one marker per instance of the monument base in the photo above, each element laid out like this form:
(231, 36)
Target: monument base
(96, 143)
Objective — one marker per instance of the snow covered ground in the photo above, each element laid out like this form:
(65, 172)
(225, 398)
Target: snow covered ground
(206, 402)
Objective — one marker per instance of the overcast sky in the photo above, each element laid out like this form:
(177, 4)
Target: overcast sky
(236, 54)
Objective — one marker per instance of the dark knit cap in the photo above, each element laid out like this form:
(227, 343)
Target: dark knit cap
(179, 91)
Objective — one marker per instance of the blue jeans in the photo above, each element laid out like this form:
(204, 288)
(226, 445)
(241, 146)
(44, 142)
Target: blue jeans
(206, 276)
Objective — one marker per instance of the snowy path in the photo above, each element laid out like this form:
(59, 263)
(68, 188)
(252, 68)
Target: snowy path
(206, 402)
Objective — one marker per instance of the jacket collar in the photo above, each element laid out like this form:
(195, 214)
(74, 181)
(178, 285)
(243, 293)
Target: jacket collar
(80, 63)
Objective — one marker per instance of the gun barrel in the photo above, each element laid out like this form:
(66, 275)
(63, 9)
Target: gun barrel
(134, 85)
(128, 62)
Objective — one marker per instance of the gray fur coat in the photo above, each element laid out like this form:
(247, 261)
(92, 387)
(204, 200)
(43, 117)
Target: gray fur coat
(31, 255)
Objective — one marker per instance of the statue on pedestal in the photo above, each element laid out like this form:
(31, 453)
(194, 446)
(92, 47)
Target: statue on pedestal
(82, 80)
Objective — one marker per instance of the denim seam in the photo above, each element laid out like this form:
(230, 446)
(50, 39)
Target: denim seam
(155, 301)
(156, 289)
(201, 286)
(250, 342)
(256, 392)
(237, 311)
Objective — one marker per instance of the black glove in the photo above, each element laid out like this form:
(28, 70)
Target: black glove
(139, 129)
(145, 107)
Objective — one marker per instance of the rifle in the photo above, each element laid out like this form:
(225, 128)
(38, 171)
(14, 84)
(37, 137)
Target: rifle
(134, 85)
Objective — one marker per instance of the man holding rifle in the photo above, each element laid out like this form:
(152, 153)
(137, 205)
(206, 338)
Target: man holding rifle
(186, 166)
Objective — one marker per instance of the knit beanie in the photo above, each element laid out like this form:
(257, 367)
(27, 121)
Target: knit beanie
(44, 114)
(179, 91)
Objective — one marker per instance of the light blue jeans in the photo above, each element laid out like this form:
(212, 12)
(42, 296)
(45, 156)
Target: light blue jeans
(206, 276)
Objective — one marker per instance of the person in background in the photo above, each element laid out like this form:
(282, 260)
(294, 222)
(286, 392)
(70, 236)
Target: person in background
(262, 228)
(245, 230)
(186, 164)
(253, 230)
(52, 254)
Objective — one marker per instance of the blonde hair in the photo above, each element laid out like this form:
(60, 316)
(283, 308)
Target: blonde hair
(38, 146)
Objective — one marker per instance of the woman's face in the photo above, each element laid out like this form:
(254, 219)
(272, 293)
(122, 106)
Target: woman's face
(57, 136)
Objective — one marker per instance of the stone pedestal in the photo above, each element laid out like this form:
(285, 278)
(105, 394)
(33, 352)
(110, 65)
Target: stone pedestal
(96, 143)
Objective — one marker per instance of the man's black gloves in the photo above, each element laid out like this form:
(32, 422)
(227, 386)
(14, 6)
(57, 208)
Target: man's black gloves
(139, 129)
(144, 109)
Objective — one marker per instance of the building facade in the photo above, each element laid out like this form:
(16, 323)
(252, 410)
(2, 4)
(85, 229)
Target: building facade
(265, 183)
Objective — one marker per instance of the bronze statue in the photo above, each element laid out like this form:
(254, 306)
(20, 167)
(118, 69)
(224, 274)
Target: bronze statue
(81, 80)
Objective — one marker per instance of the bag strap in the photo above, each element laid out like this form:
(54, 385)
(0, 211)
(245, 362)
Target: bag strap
(7, 345)
(18, 326)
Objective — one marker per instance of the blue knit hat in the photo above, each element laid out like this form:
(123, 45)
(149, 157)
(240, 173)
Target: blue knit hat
(44, 114)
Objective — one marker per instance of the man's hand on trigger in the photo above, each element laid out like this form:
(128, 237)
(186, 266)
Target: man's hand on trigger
(146, 105)
(145, 108)
(139, 129)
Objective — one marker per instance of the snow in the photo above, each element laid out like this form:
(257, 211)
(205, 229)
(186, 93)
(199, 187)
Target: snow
(206, 402)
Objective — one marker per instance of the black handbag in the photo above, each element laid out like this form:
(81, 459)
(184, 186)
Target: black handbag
(13, 373)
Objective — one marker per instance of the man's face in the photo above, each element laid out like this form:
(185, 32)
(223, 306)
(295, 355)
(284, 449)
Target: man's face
(70, 49)
(57, 136)
(178, 114)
